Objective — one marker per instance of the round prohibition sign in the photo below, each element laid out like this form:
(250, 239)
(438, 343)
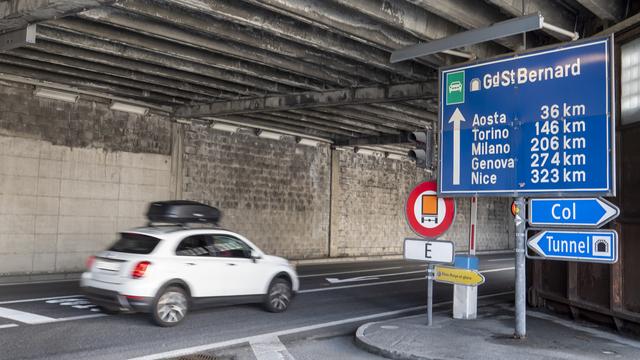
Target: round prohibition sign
(427, 214)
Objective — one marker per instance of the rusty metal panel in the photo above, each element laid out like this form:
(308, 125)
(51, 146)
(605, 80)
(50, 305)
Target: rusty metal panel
(631, 269)
(593, 283)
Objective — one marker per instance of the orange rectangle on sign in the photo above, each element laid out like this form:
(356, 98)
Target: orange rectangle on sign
(429, 205)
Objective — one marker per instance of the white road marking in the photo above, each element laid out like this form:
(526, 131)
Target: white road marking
(501, 259)
(24, 317)
(358, 285)
(360, 278)
(39, 282)
(8, 326)
(269, 348)
(351, 272)
(238, 341)
(386, 282)
(37, 299)
(495, 270)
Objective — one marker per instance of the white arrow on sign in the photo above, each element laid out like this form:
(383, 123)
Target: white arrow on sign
(360, 278)
(456, 119)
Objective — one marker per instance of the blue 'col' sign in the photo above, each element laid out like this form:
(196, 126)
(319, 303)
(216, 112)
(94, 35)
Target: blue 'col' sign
(539, 123)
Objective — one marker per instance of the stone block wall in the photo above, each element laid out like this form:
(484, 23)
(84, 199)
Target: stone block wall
(275, 192)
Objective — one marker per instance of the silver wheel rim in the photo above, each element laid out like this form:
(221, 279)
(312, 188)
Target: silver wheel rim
(280, 296)
(172, 306)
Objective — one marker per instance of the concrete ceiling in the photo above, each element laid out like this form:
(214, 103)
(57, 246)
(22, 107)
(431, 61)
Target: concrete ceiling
(312, 67)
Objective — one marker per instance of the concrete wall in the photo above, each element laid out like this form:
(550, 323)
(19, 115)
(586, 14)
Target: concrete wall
(67, 183)
(72, 175)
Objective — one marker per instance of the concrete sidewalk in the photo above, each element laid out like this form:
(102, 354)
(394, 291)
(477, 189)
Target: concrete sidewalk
(490, 337)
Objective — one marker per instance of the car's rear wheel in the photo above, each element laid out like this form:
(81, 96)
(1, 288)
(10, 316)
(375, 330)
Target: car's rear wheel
(170, 307)
(278, 296)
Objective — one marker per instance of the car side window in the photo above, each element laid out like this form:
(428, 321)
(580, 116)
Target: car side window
(229, 246)
(195, 245)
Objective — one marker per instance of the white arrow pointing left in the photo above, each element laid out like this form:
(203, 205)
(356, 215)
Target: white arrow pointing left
(456, 119)
(360, 278)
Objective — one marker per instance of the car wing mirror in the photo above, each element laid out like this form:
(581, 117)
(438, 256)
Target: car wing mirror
(255, 255)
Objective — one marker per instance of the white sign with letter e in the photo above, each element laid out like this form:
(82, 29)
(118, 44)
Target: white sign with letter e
(431, 251)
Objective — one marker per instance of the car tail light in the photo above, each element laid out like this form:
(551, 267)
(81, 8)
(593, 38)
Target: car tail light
(90, 261)
(140, 269)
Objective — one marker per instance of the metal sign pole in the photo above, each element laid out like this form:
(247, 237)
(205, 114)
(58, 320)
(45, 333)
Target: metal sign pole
(521, 299)
(429, 295)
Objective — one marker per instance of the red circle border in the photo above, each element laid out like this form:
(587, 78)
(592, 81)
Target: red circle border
(446, 223)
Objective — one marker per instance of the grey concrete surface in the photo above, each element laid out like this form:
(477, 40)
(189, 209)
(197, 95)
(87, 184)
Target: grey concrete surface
(490, 337)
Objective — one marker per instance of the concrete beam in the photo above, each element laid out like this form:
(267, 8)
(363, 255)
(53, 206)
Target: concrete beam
(175, 50)
(83, 84)
(612, 10)
(140, 71)
(365, 127)
(554, 13)
(255, 121)
(256, 39)
(298, 121)
(470, 15)
(116, 75)
(424, 25)
(312, 99)
(18, 38)
(219, 79)
(16, 14)
(401, 138)
(174, 33)
(305, 33)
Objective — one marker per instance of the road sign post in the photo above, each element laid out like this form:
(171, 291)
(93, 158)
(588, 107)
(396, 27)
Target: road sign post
(433, 252)
(534, 124)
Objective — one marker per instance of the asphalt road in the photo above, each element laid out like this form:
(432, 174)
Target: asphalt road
(51, 321)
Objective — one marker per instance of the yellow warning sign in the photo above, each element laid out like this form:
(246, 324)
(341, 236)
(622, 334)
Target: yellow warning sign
(457, 276)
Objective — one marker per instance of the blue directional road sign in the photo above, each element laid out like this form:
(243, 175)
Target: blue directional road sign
(567, 212)
(591, 246)
(538, 123)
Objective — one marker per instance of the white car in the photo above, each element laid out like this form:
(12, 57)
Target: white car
(167, 270)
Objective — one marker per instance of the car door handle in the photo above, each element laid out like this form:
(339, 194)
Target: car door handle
(190, 263)
(231, 264)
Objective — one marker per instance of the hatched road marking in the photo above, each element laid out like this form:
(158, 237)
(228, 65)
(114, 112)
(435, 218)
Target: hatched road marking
(269, 348)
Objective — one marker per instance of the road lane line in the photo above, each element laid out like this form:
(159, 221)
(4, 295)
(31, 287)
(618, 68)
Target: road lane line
(269, 348)
(495, 270)
(502, 259)
(5, 326)
(38, 299)
(24, 317)
(384, 282)
(248, 339)
(352, 271)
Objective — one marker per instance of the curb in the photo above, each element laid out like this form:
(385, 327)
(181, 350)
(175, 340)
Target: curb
(363, 343)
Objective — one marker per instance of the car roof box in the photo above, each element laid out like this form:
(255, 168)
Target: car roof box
(182, 212)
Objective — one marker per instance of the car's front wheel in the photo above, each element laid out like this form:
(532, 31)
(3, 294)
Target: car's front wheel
(278, 296)
(170, 307)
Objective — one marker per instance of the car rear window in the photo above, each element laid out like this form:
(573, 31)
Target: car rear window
(135, 244)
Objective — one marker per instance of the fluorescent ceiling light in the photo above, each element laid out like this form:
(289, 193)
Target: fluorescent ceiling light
(134, 109)
(184, 121)
(225, 127)
(363, 151)
(269, 135)
(56, 95)
(308, 142)
(396, 156)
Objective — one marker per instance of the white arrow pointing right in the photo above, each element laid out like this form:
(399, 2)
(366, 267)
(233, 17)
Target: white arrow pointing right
(456, 119)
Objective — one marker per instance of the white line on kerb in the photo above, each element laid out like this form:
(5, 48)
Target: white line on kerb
(495, 270)
(248, 339)
(269, 348)
(5, 326)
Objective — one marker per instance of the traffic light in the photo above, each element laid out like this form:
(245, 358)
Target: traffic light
(423, 145)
